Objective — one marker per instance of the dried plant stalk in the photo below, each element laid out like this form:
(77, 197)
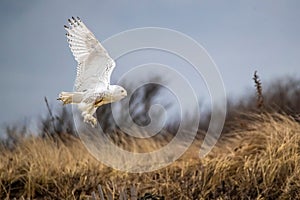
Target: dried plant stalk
(259, 97)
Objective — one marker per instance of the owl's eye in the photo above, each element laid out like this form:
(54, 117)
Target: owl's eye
(122, 91)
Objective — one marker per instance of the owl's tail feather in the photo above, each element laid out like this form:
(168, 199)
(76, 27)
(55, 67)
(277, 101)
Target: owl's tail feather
(70, 97)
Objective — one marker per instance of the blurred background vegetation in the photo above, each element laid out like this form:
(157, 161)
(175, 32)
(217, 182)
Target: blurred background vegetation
(279, 96)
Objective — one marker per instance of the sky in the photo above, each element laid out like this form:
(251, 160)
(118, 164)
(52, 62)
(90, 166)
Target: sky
(240, 36)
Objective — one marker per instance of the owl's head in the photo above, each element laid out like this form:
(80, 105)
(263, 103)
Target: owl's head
(118, 92)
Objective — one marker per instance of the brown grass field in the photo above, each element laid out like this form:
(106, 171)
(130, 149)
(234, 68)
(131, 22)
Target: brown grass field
(259, 159)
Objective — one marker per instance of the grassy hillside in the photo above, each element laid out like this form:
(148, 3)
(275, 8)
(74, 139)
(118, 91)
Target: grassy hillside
(259, 159)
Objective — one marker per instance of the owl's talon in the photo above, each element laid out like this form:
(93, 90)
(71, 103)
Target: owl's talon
(90, 120)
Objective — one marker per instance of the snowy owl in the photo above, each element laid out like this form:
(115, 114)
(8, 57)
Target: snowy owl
(92, 84)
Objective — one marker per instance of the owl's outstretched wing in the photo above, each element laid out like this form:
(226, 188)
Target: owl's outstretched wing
(94, 64)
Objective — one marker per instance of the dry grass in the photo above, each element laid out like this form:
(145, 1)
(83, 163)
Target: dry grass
(261, 160)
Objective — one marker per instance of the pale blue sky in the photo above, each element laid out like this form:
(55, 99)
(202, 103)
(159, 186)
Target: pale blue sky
(240, 36)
